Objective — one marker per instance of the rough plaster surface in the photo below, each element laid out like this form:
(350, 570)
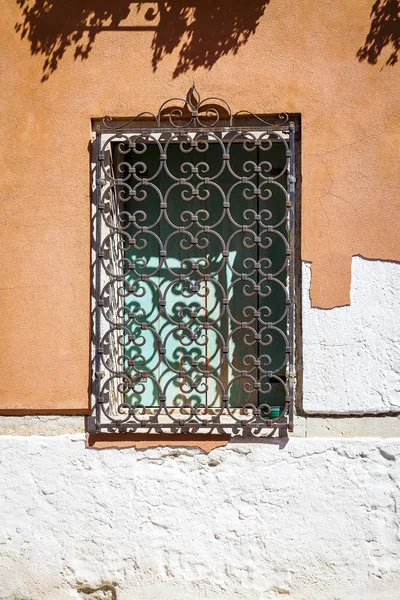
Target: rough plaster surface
(351, 354)
(302, 520)
(302, 58)
(380, 426)
(41, 425)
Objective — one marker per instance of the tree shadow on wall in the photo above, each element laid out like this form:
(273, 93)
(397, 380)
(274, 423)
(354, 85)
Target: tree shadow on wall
(204, 30)
(384, 30)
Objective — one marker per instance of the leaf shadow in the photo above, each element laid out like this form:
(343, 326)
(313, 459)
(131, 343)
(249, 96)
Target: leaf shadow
(203, 30)
(384, 31)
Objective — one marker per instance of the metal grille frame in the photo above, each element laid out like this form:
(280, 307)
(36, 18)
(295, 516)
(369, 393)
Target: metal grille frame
(189, 122)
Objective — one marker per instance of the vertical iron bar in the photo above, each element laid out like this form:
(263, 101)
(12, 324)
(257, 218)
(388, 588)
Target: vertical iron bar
(292, 183)
(258, 277)
(97, 280)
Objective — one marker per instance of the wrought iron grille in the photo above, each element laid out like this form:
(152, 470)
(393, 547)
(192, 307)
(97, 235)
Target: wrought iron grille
(194, 270)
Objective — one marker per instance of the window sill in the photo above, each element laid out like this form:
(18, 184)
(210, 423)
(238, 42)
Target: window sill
(140, 441)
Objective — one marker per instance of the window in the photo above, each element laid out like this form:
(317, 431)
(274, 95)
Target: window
(194, 272)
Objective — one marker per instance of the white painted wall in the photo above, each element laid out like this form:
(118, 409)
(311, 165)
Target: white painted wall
(351, 354)
(312, 519)
(300, 519)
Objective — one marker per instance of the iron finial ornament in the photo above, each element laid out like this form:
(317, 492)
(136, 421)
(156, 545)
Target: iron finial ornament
(193, 111)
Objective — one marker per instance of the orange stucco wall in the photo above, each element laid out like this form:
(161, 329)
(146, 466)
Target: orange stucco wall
(64, 63)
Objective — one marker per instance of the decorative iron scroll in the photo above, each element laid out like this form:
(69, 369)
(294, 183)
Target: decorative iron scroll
(194, 271)
(195, 112)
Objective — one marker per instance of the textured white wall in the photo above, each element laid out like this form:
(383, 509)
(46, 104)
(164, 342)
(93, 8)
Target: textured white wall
(302, 519)
(312, 519)
(351, 354)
